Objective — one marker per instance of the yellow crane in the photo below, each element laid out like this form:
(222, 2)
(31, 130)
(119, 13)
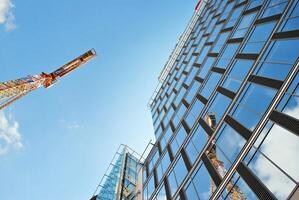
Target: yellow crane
(10, 91)
(234, 192)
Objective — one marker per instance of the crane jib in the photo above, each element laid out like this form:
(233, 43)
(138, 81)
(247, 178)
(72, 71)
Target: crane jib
(10, 91)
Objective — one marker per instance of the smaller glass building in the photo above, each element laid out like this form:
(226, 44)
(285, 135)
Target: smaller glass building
(120, 181)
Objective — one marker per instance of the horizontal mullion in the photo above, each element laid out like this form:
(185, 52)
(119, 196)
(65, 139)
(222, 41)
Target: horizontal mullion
(286, 121)
(212, 171)
(226, 92)
(242, 130)
(286, 34)
(261, 191)
(268, 19)
(273, 83)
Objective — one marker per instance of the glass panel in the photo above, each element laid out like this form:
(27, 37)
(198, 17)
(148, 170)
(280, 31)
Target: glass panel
(179, 115)
(150, 186)
(220, 42)
(226, 12)
(166, 137)
(203, 183)
(219, 106)
(210, 85)
(225, 149)
(279, 59)
(234, 17)
(192, 91)
(159, 172)
(178, 140)
(255, 3)
(258, 37)
(274, 179)
(274, 7)
(172, 183)
(177, 175)
(161, 194)
(244, 25)
(165, 162)
(206, 67)
(252, 104)
(292, 20)
(194, 113)
(237, 74)
(191, 75)
(238, 189)
(179, 97)
(203, 54)
(153, 160)
(196, 143)
(180, 170)
(170, 100)
(191, 192)
(227, 55)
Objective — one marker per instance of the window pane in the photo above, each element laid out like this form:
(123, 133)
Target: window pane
(274, 7)
(292, 22)
(178, 140)
(194, 113)
(210, 85)
(277, 182)
(180, 170)
(203, 182)
(243, 25)
(219, 106)
(191, 192)
(161, 194)
(227, 55)
(192, 91)
(258, 37)
(196, 143)
(253, 103)
(238, 189)
(237, 74)
(206, 67)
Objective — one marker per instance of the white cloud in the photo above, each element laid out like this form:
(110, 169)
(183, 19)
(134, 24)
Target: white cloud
(10, 137)
(282, 148)
(6, 16)
(73, 125)
(70, 125)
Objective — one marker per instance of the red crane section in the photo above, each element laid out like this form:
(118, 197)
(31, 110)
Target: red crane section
(12, 90)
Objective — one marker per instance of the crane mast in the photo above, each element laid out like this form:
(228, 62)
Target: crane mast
(234, 192)
(10, 91)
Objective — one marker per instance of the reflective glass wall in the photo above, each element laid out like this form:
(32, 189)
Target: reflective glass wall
(226, 117)
(121, 178)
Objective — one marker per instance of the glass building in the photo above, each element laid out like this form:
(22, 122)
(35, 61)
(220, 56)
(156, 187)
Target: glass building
(120, 181)
(226, 112)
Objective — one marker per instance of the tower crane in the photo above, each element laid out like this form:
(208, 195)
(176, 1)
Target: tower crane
(10, 91)
(234, 192)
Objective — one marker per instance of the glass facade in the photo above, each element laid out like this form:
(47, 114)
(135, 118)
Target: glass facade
(120, 181)
(226, 116)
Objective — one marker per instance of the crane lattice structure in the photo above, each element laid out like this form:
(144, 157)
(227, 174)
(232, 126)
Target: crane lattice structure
(10, 91)
(234, 192)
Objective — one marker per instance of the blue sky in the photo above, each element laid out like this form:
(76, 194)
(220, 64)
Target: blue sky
(63, 138)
